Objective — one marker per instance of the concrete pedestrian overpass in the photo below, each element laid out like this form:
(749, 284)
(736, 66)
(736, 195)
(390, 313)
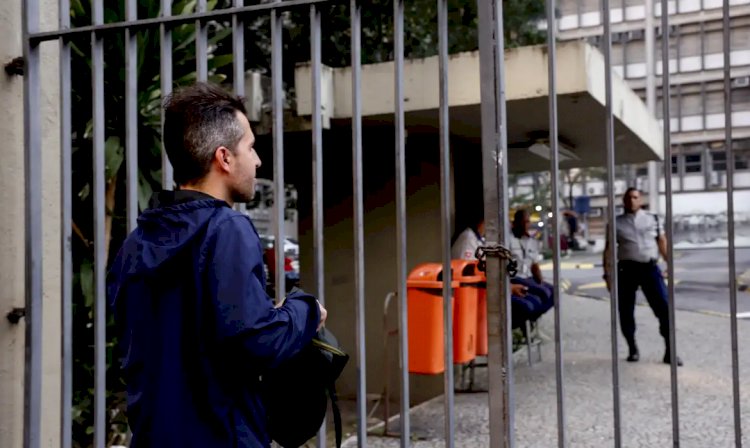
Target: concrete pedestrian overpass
(581, 104)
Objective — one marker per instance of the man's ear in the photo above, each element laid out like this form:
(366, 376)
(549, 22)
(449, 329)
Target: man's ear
(222, 158)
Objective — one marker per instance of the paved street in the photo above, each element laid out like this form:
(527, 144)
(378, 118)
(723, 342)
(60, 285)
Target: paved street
(701, 274)
(705, 395)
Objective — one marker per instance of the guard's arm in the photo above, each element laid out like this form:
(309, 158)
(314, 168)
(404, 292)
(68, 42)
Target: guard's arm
(662, 243)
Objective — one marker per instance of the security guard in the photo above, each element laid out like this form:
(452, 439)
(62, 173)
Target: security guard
(640, 240)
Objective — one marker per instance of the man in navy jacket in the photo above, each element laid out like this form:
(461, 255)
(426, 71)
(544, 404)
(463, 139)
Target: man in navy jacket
(196, 329)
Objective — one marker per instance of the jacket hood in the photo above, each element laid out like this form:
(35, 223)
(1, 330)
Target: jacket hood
(170, 224)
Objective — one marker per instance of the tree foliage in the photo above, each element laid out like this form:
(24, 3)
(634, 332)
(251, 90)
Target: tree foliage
(377, 46)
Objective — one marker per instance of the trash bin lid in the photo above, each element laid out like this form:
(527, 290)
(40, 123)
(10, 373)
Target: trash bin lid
(428, 275)
(465, 271)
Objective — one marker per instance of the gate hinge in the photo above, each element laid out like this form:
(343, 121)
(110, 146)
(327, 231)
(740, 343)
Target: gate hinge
(15, 315)
(15, 67)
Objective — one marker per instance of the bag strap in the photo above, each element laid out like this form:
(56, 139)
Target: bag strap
(658, 234)
(336, 414)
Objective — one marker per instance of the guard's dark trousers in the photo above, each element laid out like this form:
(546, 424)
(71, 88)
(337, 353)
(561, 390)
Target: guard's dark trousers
(648, 277)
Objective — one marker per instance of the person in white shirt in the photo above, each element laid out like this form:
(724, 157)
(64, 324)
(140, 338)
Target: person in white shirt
(527, 253)
(525, 303)
(465, 246)
(640, 240)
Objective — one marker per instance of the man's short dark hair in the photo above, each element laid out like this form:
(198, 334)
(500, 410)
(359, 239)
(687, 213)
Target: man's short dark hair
(197, 120)
(630, 190)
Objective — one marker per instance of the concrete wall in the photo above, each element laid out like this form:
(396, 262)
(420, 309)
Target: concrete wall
(12, 226)
(11, 233)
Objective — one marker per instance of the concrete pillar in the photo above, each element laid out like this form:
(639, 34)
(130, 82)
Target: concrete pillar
(12, 293)
(11, 232)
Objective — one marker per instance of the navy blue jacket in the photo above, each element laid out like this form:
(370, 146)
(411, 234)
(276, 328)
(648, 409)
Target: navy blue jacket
(196, 329)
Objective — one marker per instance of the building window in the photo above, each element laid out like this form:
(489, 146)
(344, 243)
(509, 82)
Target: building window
(675, 165)
(693, 163)
(741, 161)
(719, 161)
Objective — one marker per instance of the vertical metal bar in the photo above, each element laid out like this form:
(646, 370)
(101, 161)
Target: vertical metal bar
(555, 171)
(495, 172)
(100, 321)
(650, 45)
(66, 230)
(33, 239)
(703, 43)
(401, 267)
(679, 106)
(359, 244)
(666, 124)
(677, 37)
(131, 117)
(167, 174)
(279, 203)
(704, 118)
(238, 64)
(201, 44)
(317, 174)
(445, 213)
(610, 145)
(726, 34)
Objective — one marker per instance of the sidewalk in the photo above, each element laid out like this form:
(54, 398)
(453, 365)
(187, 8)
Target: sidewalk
(705, 388)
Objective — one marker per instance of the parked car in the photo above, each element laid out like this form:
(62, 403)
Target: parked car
(291, 260)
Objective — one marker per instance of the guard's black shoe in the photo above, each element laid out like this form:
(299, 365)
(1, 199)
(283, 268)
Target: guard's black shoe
(633, 356)
(667, 359)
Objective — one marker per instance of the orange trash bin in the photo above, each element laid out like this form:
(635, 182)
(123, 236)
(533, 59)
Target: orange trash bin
(465, 318)
(482, 346)
(424, 288)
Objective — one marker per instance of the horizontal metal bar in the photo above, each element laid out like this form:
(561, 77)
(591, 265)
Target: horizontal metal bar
(173, 21)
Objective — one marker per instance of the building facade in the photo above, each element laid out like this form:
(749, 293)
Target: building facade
(696, 64)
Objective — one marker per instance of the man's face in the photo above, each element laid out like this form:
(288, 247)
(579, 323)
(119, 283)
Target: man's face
(632, 201)
(243, 178)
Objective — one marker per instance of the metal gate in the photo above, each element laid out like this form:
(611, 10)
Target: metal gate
(495, 177)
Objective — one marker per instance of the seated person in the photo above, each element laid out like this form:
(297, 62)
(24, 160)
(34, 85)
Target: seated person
(525, 304)
(526, 251)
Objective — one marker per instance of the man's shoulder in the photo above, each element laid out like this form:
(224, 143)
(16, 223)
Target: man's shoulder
(647, 216)
(227, 219)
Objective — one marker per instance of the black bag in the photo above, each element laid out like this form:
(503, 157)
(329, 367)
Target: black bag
(296, 393)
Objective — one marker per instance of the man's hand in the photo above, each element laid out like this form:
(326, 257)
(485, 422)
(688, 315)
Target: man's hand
(323, 316)
(536, 273)
(518, 290)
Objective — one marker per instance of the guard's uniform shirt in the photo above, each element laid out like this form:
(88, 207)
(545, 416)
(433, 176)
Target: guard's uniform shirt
(465, 246)
(636, 237)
